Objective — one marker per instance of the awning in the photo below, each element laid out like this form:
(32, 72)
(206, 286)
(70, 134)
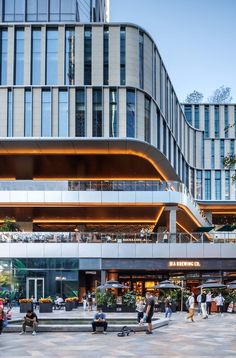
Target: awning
(205, 229)
(227, 228)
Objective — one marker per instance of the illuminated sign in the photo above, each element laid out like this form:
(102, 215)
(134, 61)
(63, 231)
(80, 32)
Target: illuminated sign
(184, 264)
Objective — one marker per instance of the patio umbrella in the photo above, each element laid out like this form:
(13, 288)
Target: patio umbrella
(166, 285)
(231, 286)
(232, 282)
(212, 284)
(111, 284)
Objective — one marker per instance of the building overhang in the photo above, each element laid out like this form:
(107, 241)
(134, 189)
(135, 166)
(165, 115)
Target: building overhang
(24, 150)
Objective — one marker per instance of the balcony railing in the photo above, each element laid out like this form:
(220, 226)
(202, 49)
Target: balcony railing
(117, 238)
(98, 185)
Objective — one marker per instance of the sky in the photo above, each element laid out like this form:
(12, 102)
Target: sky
(196, 39)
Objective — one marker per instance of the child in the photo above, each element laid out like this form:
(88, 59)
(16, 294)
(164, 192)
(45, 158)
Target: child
(140, 308)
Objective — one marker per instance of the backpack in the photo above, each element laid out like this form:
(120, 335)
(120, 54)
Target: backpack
(187, 303)
(125, 331)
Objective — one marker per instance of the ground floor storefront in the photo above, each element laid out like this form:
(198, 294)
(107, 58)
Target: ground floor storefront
(20, 278)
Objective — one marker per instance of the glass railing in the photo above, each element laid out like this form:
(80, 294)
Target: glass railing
(118, 238)
(98, 185)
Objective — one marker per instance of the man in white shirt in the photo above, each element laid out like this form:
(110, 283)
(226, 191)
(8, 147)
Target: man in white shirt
(219, 300)
(191, 309)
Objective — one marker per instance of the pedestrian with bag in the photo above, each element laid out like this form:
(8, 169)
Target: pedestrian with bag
(191, 310)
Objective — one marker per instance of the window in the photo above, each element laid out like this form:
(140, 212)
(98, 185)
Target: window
(130, 115)
(217, 122)
(63, 114)
(80, 113)
(206, 120)
(235, 121)
(141, 61)
(28, 114)
(218, 185)
(67, 10)
(3, 56)
(106, 56)
(164, 137)
(54, 10)
(196, 115)
(97, 113)
(169, 146)
(51, 56)
(36, 57)
(199, 185)
(87, 55)
(113, 127)
(14, 10)
(70, 57)
(46, 114)
(222, 152)
(147, 119)
(158, 127)
(188, 113)
(155, 74)
(232, 153)
(122, 55)
(226, 115)
(227, 185)
(207, 185)
(9, 113)
(212, 154)
(192, 181)
(37, 10)
(19, 57)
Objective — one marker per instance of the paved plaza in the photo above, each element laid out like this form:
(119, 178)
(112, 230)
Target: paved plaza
(215, 337)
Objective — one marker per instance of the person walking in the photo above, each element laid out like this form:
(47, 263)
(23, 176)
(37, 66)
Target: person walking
(203, 304)
(199, 310)
(208, 302)
(2, 317)
(84, 302)
(140, 308)
(191, 310)
(168, 310)
(219, 300)
(149, 311)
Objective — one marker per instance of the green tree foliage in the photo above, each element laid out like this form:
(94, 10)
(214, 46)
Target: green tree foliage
(195, 97)
(221, 95)
(9, 225)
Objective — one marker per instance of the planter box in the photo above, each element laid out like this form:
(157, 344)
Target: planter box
(108, 309)
(74, 304)
(45, 307)
(127, 308)
(69, 306)
(24, 307)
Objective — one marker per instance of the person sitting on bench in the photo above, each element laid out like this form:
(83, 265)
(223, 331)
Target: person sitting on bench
(99, 321)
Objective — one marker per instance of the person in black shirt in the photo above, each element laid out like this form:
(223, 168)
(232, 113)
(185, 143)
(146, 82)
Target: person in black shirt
(203, 305)
(30, 320)
(149, 310)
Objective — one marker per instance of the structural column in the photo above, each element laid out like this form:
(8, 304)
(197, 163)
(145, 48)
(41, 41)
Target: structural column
(172, 223)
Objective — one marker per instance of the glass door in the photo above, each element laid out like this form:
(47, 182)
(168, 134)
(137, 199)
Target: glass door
(35, 287)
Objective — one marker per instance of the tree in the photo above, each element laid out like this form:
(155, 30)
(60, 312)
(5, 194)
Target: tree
(221, 95)
(195, 97)
(229, 162)
(9, 225)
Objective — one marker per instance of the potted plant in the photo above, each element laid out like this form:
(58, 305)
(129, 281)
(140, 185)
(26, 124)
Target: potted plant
(25, 305)
(45, 305)
(69, 304)
(128, 302)
(106, 300)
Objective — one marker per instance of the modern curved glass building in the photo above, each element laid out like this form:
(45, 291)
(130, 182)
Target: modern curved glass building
(95, 148)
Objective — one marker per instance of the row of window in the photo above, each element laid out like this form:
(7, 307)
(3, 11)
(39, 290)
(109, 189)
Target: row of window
(222, 151)
(80, 113)
(192, 116)
(38, 10)
(52, 51)
(208, 185)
